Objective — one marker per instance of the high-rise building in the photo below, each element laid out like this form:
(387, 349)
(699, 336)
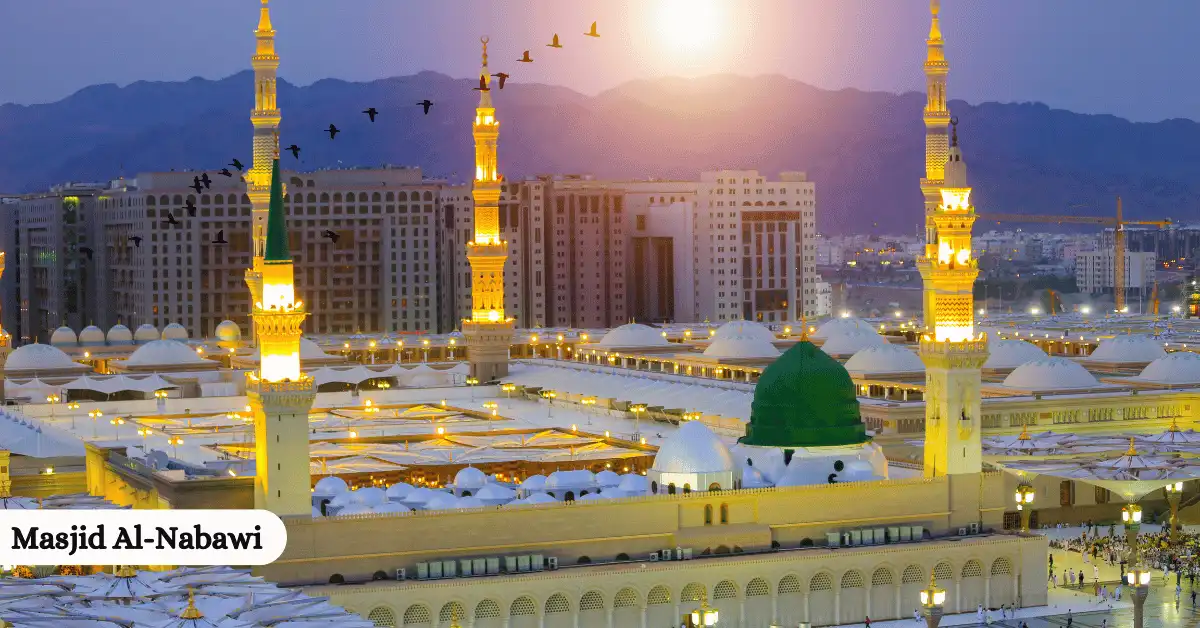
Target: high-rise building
(1094, 271)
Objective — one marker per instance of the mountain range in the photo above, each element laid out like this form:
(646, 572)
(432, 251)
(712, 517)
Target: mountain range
(865, 150)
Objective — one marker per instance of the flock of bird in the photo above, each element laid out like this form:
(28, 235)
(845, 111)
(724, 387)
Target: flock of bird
(203, 182)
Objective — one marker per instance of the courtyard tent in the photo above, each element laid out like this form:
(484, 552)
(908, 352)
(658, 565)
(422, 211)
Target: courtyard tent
(119, 383)
(28, 437)
(354, 375)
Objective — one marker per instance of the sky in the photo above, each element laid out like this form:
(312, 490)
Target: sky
(1133, 59)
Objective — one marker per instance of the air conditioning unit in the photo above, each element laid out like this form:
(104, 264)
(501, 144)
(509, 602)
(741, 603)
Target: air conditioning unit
(551, 562)
(654, 557)
(974, 527)
(962, 531)
(400, 574)
(668, 554)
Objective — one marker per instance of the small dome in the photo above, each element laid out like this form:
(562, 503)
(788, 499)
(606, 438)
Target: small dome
(1124, 349)
(120, 335)
(633, 484)
(633, 335)
(390, 507)
(165, 352)
(38, 357)
(400, 490)
(418, 496)
(464, 503)
(64, 337)
(852, 341)
(753, 478)
(607, 478)
(1009, 354)
(534, 483)
(228, 331)
(470, 478)
(496, 492)
(734, 347)
(838, 326)
(744, 329)
(1181, 367)
(885, 359)
(693, 449)
(440, 501)
(369, 496)
(1051, 374)
(538, 498)
(174, 331)
(581, 478)
(804, 399)
(91, 336)
(354, 509)
(330, 486)
(146, 333)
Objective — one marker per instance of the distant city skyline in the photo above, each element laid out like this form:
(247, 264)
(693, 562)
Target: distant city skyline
(1062, 53)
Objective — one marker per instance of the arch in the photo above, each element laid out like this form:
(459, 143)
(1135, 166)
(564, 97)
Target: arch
(522, 606)
(569, 497)
(972, 589)
(881, 577)
(591, 601)
(822, 602)
(725, 590)
(708, 514)
(973, 569)
(721, 549)
(337, 578)
(943, 571)
(622, 557)
(337, 197)
(487, 609)
(417, 614)
(557, 603)
(883, 594)
(451, 612)
(715, 486)
(852, 579)
(391, 196)
(379, 575)
(1001, 566)
(376, 198)
(402, 196)
(756, 587)
(912, 574)
(382, 616)
(627, 597)
(1002, 590)
(584, 560)
(724, 513)
(820, 582)
(852, 595)
(312, 198)
(789, 584)
(693, 592)
(658, 595)
(428, 195)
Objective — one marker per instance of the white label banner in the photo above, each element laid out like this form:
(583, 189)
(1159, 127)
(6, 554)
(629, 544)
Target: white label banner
(195, 538)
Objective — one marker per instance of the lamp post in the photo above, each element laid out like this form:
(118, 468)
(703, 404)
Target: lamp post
(588, 403)
(175, 442)
(144, 432)
(425, 350)
(453, 342)
(1131, 517)
(95, 415)
(1174, 494)
(1024, 499)
(52, 399)
(72, 407)
(508, 390)
(160, 398)
(472, 382)
(117, 423)
(637, 411)
(1138, 580)
(372, 347)
(703, 617)
(550, 395)
(931, 603)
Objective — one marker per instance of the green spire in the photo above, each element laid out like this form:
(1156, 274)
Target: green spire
(277, 236)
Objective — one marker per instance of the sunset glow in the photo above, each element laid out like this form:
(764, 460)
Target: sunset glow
(689, 27)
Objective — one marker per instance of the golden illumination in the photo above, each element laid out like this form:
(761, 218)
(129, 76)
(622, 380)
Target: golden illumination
(956, 199)
(689, 26)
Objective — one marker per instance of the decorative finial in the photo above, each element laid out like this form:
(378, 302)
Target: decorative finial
(484, 40)
(935, 6)
(191, 612)
(1174, 426)
(1132, 451)
(933, 574)
(803, 326)
(954, 131)
(1024, 433)
(126, 571)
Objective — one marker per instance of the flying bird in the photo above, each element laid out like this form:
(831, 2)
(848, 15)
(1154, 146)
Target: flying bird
(426, 104)
(205, 180)
(593, 32)
(554, 44)
(503, 77)
(136, 240)
(226, 172)
(191, 207)
(171, 220)
(196, 185)
(220, 238)
(333, 131)
(526, 58)
(483, 86)
(237, 164)
(371, 113)
(331, 236)
(295, 150)
(87, 251)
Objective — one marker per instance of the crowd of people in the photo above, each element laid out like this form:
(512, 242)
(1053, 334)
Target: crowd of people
(1098, 544)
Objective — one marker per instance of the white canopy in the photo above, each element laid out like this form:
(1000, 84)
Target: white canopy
(119, 383)
(354, 374)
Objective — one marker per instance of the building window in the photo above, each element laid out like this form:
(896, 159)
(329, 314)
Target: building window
(724, 514)
(708, 515)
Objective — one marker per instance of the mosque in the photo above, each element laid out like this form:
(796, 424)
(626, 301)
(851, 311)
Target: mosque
(585, 478)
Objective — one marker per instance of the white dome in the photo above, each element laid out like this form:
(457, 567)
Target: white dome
(1181, 367)
(538, 498)
(607, 478)
(398, 491)
(330, 486)
(633, 335)
(420, 495)
(63, 337)
(165, 352)
(91, 336)
(534, 483)
(885, 359)
(747, 347)
(753, 478)
(38, 357)
(633, 484)
(354, 509)
(440, 501)
(369, 496)
(464, 503)
(1127, 349)
(581, 479)
(839, 326)
(1009, 354)
(851, 341)
(174, 331)
(496, 492)
(744, 329)
(693, 449)
(470, 478)
(120, 335)
(146, 333)
(390, 507)
(228, 331)
(1050, 374)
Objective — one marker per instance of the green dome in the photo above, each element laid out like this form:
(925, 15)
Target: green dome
(804, 399)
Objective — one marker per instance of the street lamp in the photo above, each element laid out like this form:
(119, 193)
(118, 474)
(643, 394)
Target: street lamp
(175, 442)
(508, 389)
(1174, 493)
(73, 406)
(704, 616)
(453, 341)
(1138, 580)
(637, 411)
(144, 432)
(1024, 498)
(931, 602)
(117, 423)
(1131, 517)
(550, 396)
(95, 415)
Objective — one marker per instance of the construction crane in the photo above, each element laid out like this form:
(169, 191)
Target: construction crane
(1118, 224)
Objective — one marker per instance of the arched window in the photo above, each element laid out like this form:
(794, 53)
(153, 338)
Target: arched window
(671, 488)
(714, 487)
(569, 497)
(382, 616)
(708, 514)
(654, 487)
(724, 513)
(687, 488)
(337, 578)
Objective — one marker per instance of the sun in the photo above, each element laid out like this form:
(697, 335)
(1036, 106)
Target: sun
(689, 27)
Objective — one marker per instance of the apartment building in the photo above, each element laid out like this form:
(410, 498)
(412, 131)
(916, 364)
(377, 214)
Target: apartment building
(1094, 271)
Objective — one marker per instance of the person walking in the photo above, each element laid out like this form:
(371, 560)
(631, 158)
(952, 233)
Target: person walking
(1070, 619)
(868, 621)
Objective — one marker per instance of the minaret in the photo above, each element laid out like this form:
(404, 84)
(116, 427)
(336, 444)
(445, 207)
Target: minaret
(280, 395)
(265, 117)
(953, 354)
(488, 332)
(937, 123)
(5, 341)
